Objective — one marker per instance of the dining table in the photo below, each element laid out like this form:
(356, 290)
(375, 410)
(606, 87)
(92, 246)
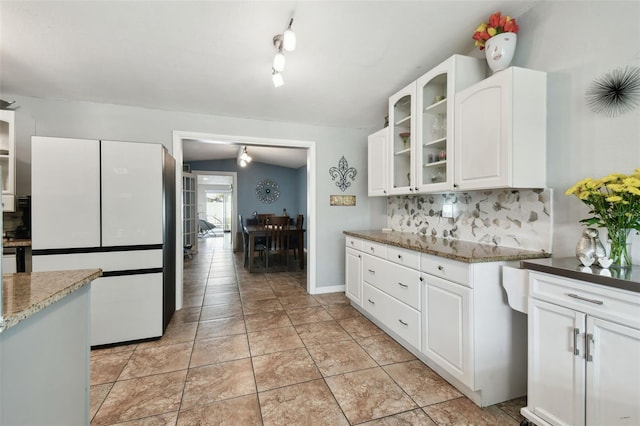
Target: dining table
(263, 230)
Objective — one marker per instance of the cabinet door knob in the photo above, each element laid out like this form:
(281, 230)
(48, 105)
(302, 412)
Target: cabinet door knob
(440, 268)
(384, 192)
(416, 188)
(399, 256)
(421, 279)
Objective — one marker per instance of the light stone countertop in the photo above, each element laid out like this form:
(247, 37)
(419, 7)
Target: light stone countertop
(24, 294)
(463, 251)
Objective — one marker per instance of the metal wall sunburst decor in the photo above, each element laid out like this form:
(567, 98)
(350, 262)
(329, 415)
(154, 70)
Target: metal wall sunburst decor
(616, 92)
(267, 191)
(342, 172)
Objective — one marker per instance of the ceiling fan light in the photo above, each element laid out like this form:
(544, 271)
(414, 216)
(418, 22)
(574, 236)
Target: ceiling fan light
(279, 61)
(289, 40)
(277, 79)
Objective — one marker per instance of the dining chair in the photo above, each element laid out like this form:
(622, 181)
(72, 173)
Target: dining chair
(278, 240)
(294, 238)
(264, 217)
(259, 243)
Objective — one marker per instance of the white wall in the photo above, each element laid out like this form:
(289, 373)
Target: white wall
(46, 117)
(576, 42)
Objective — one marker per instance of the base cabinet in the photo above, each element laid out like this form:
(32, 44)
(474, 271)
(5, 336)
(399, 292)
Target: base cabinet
(353, 275)
(584, 353)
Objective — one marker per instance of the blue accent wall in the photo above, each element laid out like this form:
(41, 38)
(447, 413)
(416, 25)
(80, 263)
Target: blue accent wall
(292, 182)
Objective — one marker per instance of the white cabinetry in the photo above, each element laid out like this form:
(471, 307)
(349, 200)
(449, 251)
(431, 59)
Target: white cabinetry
(584, 352)
(7, 159)
(378, 163)
(423, 114)
(353, 270)
(500, 131)
(471, 336)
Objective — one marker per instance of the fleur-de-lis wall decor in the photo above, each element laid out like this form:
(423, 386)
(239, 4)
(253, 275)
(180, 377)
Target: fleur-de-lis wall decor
(342, 172)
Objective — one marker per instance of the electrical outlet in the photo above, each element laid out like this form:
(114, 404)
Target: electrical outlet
(447, 210)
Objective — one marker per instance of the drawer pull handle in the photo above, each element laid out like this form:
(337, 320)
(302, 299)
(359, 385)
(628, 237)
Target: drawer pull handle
(576, 333)
(594, 301)
(403, 285)
(440, 268)
(399, 256)
(372, 249)
(371, 301)
(371, 271)
(402, 322)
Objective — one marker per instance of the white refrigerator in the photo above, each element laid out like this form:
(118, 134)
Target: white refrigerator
(109, 205)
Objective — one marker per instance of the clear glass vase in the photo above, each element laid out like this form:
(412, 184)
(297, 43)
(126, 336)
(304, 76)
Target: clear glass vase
(620, 248)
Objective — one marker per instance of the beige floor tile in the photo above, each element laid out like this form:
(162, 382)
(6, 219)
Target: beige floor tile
(340, 357)
(108, 367)
(185, 315)
(252, 296)
(308, 315)
(113, 349)
(219, 349)
(463, 411)
(141, 397)
(264, 305)
(218, 382)
(384, 350)
(421, 383)
(175, 333)
(97, 395)
(360, 327)
(273, 340)
(221, 289)
(339, 312)
(241, 411)
(192, 301)
(266, 320)
(413, 417)
(284, 368)
(332, 299)
(369, 394)
(221, 311)
(221, 299)
(298, 301)
(221, 327)
(513, 407)
(162, 359)
(302, 404)
(167, 419)
(321, 332)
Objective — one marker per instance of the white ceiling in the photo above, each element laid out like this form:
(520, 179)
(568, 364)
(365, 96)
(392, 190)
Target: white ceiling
(214, 57)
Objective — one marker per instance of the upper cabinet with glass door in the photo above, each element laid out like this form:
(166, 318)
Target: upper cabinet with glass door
(401, 135)
(7, 159)
(433, 147)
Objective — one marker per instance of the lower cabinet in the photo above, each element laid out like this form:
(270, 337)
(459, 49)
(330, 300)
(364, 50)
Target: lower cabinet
(452, 315)
(584, 353)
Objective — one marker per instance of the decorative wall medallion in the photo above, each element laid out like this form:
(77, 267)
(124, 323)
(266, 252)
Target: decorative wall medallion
(616, 92)
(342, 172)
(267, 191)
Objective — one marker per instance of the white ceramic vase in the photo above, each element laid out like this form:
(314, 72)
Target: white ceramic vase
(499, 50)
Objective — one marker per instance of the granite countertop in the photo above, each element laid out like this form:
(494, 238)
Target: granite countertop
(24, 294)
(463, 251)
(570, 267)
(10, 242)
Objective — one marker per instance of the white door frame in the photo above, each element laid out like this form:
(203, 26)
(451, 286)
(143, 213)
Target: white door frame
(234, 189)
(310, 146)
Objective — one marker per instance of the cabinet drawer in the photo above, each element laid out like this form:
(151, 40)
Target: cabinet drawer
(604, 302)
(446, 268)
(354, 243)
(375, 249)
(395, 280)
(408, 258)
(398, 317)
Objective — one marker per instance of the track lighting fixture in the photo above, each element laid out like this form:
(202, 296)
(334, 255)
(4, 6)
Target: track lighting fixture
(244, 158)
(285, 41)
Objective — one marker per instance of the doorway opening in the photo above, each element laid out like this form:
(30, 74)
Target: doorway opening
(310, 222)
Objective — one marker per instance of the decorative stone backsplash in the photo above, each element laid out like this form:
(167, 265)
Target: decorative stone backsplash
(518, 218)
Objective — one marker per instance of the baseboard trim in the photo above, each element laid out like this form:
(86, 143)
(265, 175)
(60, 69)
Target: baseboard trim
(330, 289)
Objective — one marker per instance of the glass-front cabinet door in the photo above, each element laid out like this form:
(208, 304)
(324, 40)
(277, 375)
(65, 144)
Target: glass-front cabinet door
(401, 138)
(433, 152)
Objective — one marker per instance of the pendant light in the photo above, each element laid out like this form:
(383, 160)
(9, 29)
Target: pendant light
(289, 38)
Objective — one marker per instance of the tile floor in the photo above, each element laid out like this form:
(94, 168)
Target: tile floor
(257, 349)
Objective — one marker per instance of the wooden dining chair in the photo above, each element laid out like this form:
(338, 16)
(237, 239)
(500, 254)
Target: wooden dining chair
(264, 217)
(278, 240)
(294, 238)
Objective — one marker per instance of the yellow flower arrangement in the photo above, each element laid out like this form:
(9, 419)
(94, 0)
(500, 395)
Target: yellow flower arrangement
(614, 203)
